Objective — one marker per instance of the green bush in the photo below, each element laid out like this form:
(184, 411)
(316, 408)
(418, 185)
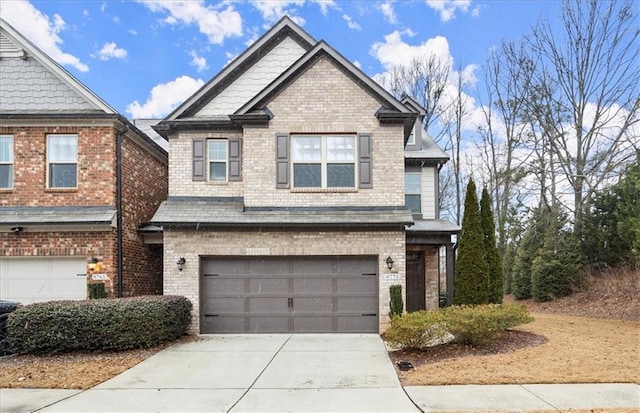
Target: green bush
(109, 324)
(477, 325)
(395, 305)
(418, 329)
(97, 290)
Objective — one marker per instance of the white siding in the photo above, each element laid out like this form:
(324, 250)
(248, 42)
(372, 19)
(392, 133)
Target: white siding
(429, 193)
(255, 79)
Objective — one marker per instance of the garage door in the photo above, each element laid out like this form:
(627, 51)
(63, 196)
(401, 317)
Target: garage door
(29, 280)
(289, 294)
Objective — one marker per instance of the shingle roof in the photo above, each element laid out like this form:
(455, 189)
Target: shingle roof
(57, 215)
(430, 150)
(206, 212)
(433, 225)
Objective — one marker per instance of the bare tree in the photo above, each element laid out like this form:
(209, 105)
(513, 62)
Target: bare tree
(586, 93)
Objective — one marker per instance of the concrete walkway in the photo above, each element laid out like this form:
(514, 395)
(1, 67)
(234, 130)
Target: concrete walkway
(298, 373)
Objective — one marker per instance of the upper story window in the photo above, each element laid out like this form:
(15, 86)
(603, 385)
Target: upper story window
(412, 192)
(62, 161)
(324, 161)
(6, 161)
(218, 159)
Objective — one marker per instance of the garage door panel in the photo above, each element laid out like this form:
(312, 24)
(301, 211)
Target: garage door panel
(227, 324)
(356, 285)
(311, 304)
(358, 324)
(222, 304)
(268, 304)
(268, 285)
(213, 285)
(268, 324)
(357, 304)
(311, 285)
(313, 324)
(290, 293)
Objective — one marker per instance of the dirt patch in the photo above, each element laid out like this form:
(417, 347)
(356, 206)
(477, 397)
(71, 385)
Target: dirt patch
(577, 350)
(76, 370)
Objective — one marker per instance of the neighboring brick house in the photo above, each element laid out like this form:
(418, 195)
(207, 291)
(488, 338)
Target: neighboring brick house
(287, 194)
(77, 180)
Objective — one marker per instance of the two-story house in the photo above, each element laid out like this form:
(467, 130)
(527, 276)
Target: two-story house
(287, 207)
(77, 180)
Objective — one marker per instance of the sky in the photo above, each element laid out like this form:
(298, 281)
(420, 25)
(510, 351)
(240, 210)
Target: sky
(146, 57)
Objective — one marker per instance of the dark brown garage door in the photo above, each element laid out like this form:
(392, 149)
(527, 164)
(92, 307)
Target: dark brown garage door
(289, 294)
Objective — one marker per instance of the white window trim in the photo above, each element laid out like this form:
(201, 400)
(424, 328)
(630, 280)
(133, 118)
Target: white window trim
(11, 162)
(323, 162)
(62, 162)
(226, 161)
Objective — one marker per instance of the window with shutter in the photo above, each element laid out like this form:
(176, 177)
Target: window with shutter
(198, 158)
(365, 178)
(282, 161)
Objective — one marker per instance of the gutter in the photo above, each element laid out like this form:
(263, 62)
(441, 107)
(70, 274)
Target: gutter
(119, 228)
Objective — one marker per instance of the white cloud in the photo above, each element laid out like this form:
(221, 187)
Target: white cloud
(110, 51)
(448, 8)
(395, 52)
(351, 23)
(272, 10)
(388, 12)
(41, 30)
(198, 61)
(165, 97)
(214, 22)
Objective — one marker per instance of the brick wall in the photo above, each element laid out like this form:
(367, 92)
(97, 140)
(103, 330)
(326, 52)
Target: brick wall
(76, 244)
(193, 244)
(144, 188)
(96, 168)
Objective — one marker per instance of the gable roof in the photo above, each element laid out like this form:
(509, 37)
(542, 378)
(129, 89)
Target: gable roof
(281, 30)
(389, 103)
(14, 44)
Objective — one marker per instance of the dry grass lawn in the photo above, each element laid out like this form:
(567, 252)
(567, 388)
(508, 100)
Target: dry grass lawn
(578, 350)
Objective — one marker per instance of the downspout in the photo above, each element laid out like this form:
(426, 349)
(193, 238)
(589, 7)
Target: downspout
(119, 228)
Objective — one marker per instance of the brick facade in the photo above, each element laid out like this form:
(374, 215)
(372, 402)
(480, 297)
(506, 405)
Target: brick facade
(144, 187)
(194, 244)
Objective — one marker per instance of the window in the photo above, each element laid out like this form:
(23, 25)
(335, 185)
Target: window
(324, 161)
(412, 197)
(218, 160)
(6, 161)
(62, 161)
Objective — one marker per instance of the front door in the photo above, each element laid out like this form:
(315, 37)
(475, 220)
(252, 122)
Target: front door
(415, 281)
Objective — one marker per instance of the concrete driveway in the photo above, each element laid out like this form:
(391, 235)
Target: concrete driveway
(249, 373)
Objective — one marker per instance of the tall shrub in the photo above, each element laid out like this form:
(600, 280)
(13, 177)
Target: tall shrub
(527, 251)
(395, 305)
(470, 282)
(495, 287)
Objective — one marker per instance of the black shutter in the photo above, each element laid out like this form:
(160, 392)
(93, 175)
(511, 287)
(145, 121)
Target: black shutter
(365, 179)
(199, 167)
(282, 161)
(235, 159)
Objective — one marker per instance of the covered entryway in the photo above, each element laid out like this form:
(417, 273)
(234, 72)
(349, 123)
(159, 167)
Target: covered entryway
(35, 279)
(289, 294)
(415, 281)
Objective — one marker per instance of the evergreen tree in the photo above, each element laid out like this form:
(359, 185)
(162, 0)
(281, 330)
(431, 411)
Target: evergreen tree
(527, 251)
(471, 281)
(491, 254)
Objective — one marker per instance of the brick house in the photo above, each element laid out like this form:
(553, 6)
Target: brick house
(287, 207)
(77, 180)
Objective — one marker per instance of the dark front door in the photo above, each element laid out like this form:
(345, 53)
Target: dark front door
(415, 281)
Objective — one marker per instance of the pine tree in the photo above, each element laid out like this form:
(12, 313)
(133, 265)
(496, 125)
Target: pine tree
(491, 254)
(527, 251)
(470, 282)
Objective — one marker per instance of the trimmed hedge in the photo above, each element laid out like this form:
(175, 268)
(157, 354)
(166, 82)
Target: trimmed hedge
(107, 324)
(476, 325)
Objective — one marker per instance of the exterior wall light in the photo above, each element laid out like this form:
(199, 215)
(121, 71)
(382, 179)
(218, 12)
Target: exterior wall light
(16, 230)
(92, 264)
(389, 262)
(181, 262)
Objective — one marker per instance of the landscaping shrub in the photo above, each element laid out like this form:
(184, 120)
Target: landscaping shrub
(478, 325)
(395, 305)
(475, 325)
(418, 329)
(109, 324)
(97, 290)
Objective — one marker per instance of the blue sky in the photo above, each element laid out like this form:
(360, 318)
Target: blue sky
(145, 57)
